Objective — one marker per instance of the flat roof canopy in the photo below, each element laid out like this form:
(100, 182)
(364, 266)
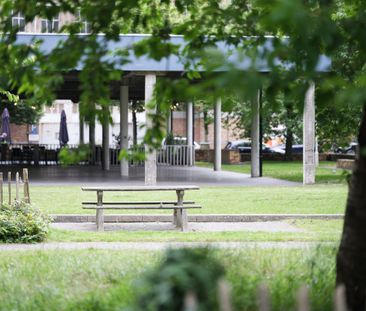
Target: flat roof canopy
(137, 66)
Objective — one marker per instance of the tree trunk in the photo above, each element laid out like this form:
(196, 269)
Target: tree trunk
(134, 127)
(92, 141)
(289, 143)
(205, 124)
(351, 257)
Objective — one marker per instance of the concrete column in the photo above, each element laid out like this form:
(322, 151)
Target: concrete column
(106, 165)
(169, 123)
(189, 132)
(255, 131)
(150, 161)
(217, 135)
(316, 152)
(123, 110)
(309, 136)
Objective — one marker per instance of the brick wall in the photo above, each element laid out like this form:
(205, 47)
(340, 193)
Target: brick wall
(19, 133)
(227, 134)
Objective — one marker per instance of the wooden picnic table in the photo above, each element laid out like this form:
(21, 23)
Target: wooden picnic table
(179, 207)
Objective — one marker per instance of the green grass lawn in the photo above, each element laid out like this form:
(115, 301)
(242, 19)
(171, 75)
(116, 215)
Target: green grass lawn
(319, 199)
(312, 231)
(105, 280)
(292, 171)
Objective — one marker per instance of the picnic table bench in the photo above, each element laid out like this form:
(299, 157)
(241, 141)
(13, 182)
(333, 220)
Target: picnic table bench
(179, 206)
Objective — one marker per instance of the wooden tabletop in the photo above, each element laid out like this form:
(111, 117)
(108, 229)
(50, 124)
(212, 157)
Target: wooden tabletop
(140, 188)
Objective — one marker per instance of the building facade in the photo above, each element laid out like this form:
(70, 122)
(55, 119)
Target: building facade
(47, 130)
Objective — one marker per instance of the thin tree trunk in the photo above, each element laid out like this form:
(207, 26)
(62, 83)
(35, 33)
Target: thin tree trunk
(205, 124)
(351, 257)
(289, 143)
(134, 127)
(92, 141)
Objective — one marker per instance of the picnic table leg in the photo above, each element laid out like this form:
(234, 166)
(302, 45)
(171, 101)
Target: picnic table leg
(180, 213)
(100, 212)
(184, 218)
(175, 215)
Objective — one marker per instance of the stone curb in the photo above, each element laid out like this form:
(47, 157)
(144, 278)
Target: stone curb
(194, 218)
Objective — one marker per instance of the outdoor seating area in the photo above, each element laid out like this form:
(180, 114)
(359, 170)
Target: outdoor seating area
(182, 155)
(36, 154)
(48, 154)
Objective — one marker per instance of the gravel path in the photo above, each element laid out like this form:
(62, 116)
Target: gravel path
(268, 226)
(156, 245)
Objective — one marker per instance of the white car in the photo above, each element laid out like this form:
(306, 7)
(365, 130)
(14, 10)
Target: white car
(180, 141)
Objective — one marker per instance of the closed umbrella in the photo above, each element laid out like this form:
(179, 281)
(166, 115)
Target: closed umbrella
(5, 130)
(64, 135)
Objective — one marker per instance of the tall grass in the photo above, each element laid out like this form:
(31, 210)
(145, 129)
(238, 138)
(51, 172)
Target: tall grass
(103, 280)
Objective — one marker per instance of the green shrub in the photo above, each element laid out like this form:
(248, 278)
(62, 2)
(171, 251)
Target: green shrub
(22, 223)
(182, 271)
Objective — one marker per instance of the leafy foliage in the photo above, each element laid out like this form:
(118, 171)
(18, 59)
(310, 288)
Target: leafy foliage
(183, 271)
(69, 156)
(22, 112)
(22, 223)
(243, 25)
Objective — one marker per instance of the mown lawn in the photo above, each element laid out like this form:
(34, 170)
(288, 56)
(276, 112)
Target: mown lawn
(318, 199)
(292, 171)
(106, 280)
(311, 231)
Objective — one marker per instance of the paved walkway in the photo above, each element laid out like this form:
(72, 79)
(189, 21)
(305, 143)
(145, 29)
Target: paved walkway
(156, 245)
(269, 226)
(91, 175)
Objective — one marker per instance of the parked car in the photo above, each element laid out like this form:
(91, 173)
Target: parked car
(177, 140)
(282, 149)
(351, 149)
(245, 146)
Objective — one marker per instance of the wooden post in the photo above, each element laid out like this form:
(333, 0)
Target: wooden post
(17, 186)
(263, 298)
(9, 187)
(190, 302)
(303, 299)
(1, 188)
(26, 185)
(340, 299)
(99, 212)
(224, 295)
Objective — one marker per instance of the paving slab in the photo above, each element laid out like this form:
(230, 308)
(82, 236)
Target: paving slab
(94, 175)
(64, 218)
(269, 226)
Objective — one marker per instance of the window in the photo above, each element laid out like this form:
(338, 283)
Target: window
(49, 26)
(18, 21)
(85, 25)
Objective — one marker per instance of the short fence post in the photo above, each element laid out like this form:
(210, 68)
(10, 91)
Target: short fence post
(340, 303)
(1, 188)
(17, 186)
(303, 299)
(9, 187)
(26, 185)
(190, 302)
(263, 298)
(224, 295)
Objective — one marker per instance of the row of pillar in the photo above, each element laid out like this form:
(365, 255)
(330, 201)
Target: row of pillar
(150, 162)
(309, 140)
